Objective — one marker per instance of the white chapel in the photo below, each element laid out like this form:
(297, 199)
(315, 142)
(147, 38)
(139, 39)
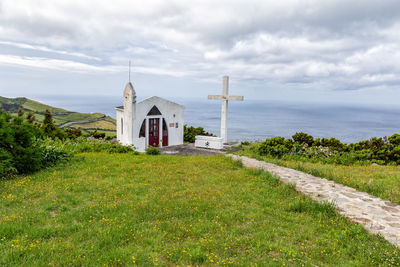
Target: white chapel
(152, 122)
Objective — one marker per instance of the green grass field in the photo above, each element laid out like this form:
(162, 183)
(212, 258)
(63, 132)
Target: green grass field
(37, 106)
(380, 181)
(120, 209)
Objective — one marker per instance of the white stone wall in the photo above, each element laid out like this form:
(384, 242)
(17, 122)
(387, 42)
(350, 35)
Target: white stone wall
(209, 142)
(120, 115)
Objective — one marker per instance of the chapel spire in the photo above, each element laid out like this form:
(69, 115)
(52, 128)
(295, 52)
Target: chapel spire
(129, 91)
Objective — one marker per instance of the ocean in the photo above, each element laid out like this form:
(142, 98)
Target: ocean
(255, 120)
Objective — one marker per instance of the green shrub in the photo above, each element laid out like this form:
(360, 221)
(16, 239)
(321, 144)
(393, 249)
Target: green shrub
(116, 148)
(51, 153)
(97, 135)
(18, 153)
(395, 139)
(109, 138)
(6, 164)
(85, 144)
(376, 150)
(73, 133)
(275, 146)
(152, 151)
(303, 138)
(189, 133)
(50, 129)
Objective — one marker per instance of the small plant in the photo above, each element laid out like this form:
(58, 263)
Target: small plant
(245, 143)
(116, 148)
(310, 206)
(152, 151)
(238, 164)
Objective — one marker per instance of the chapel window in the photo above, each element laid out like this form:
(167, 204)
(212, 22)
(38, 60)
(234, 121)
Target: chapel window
(165, 129)
(154, 111)
(142, 132)
(122, 126)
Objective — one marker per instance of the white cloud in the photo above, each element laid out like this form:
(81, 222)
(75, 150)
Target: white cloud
(46, 49)
(341, 44)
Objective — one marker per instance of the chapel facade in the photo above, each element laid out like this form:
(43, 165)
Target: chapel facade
(153, 122)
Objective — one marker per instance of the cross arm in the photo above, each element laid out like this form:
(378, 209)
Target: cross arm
(215, 97)
(235, 97)
(222, 97)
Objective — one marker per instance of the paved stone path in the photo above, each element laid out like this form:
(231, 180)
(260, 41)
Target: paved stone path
(376, 215)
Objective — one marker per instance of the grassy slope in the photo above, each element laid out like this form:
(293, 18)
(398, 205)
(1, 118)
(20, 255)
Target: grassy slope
(167, 210)
(380, 181)
(63, 115)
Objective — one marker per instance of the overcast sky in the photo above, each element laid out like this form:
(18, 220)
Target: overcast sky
(310, 50)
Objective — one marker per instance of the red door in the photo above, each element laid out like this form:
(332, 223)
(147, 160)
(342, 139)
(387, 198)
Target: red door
(154, 129)
(165, 133)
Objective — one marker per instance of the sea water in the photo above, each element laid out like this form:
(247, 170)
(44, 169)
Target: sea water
(258, 119)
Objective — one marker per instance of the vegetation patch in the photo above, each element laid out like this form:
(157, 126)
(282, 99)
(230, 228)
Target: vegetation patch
(303, 147)
(103, 125)
(130, 209)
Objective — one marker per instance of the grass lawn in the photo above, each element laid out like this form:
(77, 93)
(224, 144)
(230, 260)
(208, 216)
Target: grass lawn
(37, 106)
(380, 181)
(121, 209)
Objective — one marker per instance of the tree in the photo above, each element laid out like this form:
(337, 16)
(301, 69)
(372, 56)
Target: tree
(50, 129)
(30, 117)
(48, 125)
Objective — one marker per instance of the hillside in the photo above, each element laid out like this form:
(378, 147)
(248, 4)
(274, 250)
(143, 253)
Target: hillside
(63, 118)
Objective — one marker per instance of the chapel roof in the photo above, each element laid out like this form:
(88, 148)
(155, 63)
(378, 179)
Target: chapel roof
(157, 98)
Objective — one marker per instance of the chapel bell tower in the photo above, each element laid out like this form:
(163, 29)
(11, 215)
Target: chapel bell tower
(129, 111)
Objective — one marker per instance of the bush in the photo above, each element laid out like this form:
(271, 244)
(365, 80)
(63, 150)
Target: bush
(395, 139)
(50, 129)
(73, 133)
(51, 153)
(17, 151)
(6, 164)
(303, 138)
(97, 135)
(276, 146)
(116, 148)
(152, 151)
(89, 144)
(189, 133)
(376, 150)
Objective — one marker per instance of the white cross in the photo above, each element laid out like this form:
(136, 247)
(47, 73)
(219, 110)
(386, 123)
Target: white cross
(224, 107)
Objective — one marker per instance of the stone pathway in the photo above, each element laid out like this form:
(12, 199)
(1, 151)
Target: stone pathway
(376, 215)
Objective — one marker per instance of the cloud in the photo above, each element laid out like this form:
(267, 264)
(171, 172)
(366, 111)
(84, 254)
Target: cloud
(339, 44)
(78, 67)
(46, 49)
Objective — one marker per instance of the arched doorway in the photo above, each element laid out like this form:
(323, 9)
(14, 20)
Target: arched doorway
(154, 118)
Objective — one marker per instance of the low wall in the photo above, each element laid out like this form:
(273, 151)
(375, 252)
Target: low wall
(209, 142)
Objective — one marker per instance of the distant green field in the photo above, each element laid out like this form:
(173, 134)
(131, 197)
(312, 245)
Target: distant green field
(60, 116)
